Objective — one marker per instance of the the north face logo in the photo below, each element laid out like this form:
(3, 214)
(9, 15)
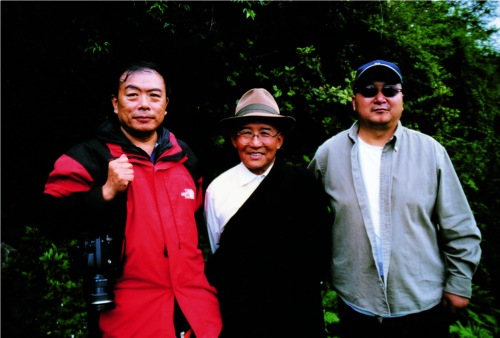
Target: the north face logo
(188, 194)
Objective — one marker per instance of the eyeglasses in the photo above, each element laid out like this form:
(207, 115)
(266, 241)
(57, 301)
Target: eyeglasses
(371, 91)
(264, 136)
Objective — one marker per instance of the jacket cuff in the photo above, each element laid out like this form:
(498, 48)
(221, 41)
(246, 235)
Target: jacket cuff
(459, 286)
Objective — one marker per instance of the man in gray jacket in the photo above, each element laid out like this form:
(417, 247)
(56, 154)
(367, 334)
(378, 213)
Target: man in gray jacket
(405, 242)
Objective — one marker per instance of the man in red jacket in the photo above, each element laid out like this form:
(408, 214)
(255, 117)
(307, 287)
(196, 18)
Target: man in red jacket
(131, 186)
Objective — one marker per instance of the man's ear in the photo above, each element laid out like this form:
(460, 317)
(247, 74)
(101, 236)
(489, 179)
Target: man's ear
(114, 102)
(234, 141)
(280, 138)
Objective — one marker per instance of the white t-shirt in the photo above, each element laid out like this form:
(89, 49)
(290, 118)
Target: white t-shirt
(369, 160)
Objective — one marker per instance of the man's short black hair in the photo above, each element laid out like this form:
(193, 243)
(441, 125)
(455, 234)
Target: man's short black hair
(138, 65)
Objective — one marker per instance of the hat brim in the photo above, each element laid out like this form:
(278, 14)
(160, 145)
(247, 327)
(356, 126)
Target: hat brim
(280, 122)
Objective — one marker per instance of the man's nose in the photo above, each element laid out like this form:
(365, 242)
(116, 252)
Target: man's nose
(255, 140)
(380, 97)
(143, 102)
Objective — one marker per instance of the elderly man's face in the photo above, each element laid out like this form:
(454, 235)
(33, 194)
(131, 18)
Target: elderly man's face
(257, 153)
(141, 103)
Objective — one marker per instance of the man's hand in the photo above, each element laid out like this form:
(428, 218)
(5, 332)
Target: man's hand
(453, 303)
(120, 174)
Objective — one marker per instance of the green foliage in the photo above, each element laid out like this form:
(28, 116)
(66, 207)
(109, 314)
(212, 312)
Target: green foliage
(98, 47)
(330, 300)
(163, 11)
(44, 298)
(480, 318)
(249, 13)
(469, 331)
(247, 10)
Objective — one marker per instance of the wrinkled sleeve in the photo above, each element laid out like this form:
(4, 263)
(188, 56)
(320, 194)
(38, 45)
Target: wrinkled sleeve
(70, 199)
(460, 237)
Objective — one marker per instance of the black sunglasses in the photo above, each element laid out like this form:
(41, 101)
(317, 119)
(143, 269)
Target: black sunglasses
(371, 91)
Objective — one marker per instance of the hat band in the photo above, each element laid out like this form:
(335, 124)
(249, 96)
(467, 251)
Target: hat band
(256, 107)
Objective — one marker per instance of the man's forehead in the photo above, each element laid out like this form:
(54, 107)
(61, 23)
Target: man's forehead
(137, 80)
(131, 74)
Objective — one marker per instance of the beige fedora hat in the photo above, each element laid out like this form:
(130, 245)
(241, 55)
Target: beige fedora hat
(259, 105)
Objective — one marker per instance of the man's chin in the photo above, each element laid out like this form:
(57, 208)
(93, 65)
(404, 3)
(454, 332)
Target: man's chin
(140, 132)
(380, 124)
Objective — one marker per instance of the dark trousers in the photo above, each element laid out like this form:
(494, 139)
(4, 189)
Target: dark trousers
(433, 323)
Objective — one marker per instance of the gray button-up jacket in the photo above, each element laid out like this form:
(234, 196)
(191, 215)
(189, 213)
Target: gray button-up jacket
(431, 242)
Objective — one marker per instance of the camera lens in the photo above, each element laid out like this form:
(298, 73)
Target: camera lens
(100, 294)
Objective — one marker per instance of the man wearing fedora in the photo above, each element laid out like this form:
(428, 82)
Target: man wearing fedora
(267, 223)
(405, 243)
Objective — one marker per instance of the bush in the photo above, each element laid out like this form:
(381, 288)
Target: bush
(41, 294)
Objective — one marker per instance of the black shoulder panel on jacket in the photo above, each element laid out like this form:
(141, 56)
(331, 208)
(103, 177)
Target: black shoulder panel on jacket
(94, 155)
(192, 162)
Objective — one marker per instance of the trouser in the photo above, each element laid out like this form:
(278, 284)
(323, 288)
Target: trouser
(433, 323)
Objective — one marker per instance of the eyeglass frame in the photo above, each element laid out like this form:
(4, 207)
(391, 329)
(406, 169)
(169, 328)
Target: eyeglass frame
(264, 140)
(393, 88)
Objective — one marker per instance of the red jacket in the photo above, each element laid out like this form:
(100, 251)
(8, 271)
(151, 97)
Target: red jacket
(156, 219)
